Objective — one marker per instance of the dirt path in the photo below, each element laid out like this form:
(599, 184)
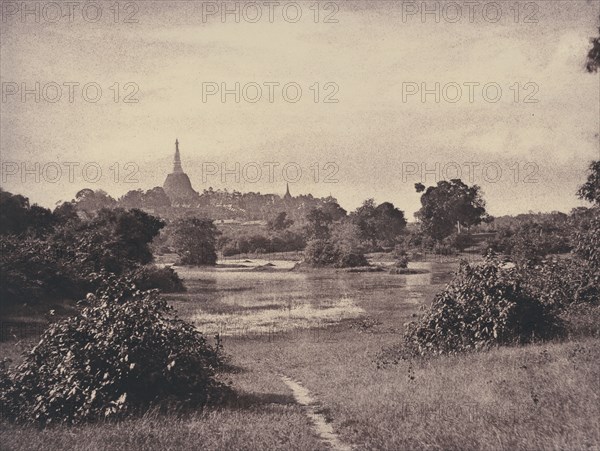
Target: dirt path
(322, 427)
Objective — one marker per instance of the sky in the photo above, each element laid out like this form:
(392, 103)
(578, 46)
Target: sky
(507, 105)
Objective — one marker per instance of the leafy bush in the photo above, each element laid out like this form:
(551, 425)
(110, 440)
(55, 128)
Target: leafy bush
(400, 256)
(531, 241)
(194, 240)
(276, 241)
(321, 253)
(124, 351)
(575, 280)
(31, 270)
(444, 248)
(164, 279)
(459, 241)
(587, 239)
(562, 282)
(349, 259)
(401, 262)
(483, 305)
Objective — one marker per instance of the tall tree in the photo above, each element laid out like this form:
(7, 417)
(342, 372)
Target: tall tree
(91, 201)
(194, 240)
(382, 223)
(449, 204)
(318, 224)
(590, 190)
(17, 216)
(156, 198)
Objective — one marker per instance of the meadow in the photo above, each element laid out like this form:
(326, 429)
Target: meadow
(305, 360)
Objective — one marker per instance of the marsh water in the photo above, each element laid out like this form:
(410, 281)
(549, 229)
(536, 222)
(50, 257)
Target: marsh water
(248, 297)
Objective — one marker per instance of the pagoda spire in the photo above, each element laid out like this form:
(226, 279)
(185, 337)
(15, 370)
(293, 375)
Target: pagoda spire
(177, 161)
(287, 192)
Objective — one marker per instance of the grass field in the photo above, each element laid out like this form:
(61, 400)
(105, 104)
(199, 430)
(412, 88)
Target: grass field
(324, 331)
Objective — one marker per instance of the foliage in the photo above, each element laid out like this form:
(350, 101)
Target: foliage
(448, 204)
(333, 209)
(590, 190)
(58, 264)
(18, 217)
(400, 256)
(32, 270)
(483, 305)
(587, 240)
(318, 224)
(194, 240)
(153, 198)
(562, 283)
(123, 351)
(150, 277)
(574, 280)
(321, 253)
(531, 241)
(90, 201)
(379, 225)
(331, 253)
(459, 241)
(279, 222)
(593, 56)
(114, 240)
(236, 242)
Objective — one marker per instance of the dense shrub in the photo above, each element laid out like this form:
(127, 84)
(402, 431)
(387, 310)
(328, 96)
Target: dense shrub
(59, 264)
(350, 259)
(329, 253)
(483, 305)
(574, 280)
(31, 270)
(587, 239)
(444, 248)
(151, 277)
(459, 241)
(277, 241)
(531, 241)
(17, 217)
(123, 351)
(400, 256)
(321, 253)
(194, 240)
(562, 282)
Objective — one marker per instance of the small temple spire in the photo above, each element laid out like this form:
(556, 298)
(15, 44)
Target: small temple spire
(177, 161)
(287, 192)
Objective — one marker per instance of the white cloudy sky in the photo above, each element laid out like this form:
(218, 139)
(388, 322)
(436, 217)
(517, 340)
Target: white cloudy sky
(369, 134)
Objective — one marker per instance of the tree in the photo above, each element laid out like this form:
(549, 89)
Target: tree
(382, 223)
(66, 212)
(132, 199)
(450, 203)
(318, 224)
(280, 222)
(194, 240)
(390, 222)
(590, 190)
(115, 240)
(91, 201)
(18, 217)
(63, 263)
(156, 198)
(593, 57)
(334, 210)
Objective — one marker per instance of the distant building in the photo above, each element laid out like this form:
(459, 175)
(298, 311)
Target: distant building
(287, 195)
(177, 185)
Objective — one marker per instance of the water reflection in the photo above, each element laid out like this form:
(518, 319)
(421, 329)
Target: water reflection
(230, 301)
